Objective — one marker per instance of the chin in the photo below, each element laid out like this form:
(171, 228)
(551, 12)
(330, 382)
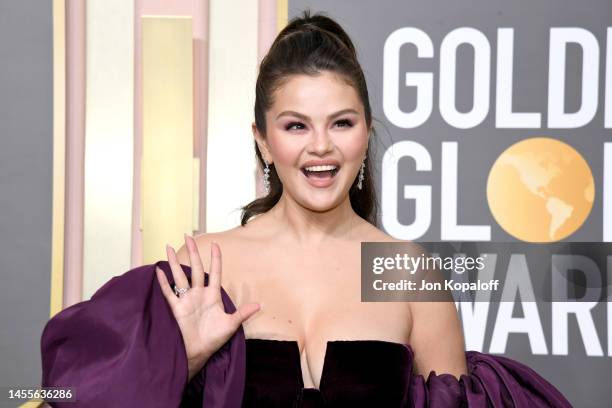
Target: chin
(322, 202)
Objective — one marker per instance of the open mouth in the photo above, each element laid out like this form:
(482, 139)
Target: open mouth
(321, 172)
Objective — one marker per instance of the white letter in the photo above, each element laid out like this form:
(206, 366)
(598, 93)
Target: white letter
(607, 193)
(518, 280)
(448, 70)
(608, 102)
(474, 314)
(449, 230)
(560, 310)
(559, 37)
(423, 81)
(504, 117)
(420, 194)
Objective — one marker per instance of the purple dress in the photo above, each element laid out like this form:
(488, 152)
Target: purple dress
(123, 348)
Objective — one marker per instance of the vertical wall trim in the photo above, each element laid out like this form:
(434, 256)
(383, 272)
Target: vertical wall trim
(75, 149)
(59, 156)
(282, 13)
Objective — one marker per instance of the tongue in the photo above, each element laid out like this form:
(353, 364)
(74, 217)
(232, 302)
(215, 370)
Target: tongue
(320, 174)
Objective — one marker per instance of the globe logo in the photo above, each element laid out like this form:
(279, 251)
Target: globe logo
(540, 190)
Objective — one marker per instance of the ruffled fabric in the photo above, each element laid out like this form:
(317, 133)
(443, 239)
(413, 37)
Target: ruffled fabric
(492, 381)
(124, 348)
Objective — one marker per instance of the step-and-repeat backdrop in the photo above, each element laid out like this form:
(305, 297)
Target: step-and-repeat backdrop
(493, 122)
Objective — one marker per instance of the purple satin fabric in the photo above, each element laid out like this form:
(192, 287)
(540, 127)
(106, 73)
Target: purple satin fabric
(123, 348)
(492, 381)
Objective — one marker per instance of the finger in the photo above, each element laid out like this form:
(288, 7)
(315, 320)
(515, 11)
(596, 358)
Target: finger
(180, 279)
(197, 269)
(165, 287)
(214, 277)
(244, 312)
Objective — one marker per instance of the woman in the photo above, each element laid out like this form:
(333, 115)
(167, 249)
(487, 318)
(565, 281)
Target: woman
(301, 335)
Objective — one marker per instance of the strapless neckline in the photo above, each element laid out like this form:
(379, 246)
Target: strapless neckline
(330, 344)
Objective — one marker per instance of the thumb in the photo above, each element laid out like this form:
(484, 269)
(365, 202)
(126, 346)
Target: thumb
(246, 311)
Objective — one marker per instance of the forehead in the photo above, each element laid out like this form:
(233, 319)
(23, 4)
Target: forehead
(326, 91)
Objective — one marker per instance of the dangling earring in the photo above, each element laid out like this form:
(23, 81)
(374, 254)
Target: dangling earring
(361, 173)
(266, 178)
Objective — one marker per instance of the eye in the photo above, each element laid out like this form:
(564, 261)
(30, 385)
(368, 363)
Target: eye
(346, 122)
(292, 124)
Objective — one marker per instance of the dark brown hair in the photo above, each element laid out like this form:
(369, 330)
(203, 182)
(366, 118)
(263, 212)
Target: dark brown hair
(307, 46)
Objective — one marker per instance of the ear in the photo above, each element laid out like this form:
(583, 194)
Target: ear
(262, 144)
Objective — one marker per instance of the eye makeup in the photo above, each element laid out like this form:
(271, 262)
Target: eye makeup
(347, 123)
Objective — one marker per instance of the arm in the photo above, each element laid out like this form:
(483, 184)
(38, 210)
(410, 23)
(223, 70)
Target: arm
(436, 339)
(447, 375)
(488, 380)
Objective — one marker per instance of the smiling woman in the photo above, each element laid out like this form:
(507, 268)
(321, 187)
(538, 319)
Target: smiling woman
(312, 108)
(279, 321)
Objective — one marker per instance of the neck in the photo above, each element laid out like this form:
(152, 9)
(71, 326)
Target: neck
(312, 227)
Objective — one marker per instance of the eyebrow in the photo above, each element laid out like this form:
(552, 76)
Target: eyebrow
(306, 118)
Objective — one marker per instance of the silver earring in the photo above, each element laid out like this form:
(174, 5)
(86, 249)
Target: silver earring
(361, 173)
(266, 178)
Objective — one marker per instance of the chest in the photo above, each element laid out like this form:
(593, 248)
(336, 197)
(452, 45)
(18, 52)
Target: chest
(311, 298)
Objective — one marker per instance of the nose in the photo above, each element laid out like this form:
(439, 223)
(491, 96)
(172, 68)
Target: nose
(320, 143)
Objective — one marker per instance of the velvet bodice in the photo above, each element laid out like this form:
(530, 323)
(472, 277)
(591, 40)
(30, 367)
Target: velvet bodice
(372, 373)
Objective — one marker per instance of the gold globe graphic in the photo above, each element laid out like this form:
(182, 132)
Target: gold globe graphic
(540, 190)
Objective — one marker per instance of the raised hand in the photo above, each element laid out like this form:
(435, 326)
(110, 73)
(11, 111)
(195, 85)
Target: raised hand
(199, 311)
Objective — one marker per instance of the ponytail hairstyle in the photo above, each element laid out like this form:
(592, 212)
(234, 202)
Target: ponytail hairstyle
(308, 45)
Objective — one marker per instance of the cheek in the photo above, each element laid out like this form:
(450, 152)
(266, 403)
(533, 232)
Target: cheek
(352, 148)
(285, 153)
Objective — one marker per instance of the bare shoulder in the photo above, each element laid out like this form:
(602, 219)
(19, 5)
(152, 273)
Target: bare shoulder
(371, 233)
(204, 242)
(232, 241)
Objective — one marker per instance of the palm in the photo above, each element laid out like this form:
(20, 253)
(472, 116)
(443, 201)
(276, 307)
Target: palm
(203, 321)
(199, 312)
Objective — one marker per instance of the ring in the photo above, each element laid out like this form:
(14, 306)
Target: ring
(180, 291)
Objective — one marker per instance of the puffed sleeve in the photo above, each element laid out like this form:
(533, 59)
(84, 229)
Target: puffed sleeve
(123, 348)
(491, 381)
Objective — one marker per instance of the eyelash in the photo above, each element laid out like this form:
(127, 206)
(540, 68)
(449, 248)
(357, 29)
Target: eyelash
(345, 121)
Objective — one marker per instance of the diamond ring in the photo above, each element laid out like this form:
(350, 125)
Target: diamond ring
(180, 291)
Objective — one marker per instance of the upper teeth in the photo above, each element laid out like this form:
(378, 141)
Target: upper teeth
(321, 168)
